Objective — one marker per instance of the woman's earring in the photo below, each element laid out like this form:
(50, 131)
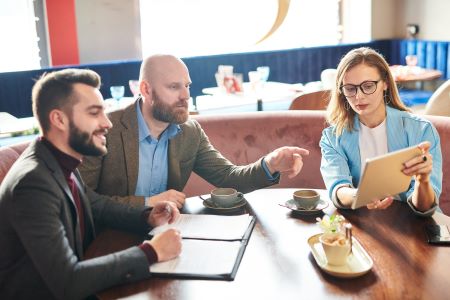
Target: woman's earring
(346, 105)
(386, 97)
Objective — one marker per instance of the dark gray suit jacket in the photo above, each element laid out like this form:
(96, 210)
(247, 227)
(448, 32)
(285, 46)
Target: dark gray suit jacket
(41, 250)
(116, 173)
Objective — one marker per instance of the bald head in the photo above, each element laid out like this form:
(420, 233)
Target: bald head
(158, 66)
(164, 86)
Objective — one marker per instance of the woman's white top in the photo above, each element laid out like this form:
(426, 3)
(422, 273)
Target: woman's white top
(372, 142)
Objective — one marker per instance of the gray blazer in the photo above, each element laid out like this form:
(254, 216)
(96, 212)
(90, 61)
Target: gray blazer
(41, 248)
(116, 173)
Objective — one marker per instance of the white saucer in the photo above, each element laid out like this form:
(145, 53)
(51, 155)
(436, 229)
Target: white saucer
(208, 204)
(292, 206)
(358, 262)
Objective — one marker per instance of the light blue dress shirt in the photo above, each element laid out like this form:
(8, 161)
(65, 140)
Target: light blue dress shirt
(153, 161)
(341, 162)
(153, 171)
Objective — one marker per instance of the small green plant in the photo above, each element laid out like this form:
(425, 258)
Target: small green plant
(331, 224)
(34, 130)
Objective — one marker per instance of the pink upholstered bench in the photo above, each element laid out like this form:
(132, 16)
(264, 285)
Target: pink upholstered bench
(245, 137)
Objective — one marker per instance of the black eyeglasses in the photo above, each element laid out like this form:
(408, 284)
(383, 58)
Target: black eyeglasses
(367, 87)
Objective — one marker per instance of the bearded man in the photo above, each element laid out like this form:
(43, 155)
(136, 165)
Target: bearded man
(153, 146)
(48, 217)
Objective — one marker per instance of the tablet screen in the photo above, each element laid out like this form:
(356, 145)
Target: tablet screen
(383, 176)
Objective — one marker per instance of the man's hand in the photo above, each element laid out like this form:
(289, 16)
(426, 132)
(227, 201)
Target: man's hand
(167, 245)
(171, 195)
(286, 159)
(163, 212)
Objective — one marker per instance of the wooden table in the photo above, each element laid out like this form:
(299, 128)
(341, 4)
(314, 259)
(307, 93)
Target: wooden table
(272, 94)
(278, 264)
(412, 74)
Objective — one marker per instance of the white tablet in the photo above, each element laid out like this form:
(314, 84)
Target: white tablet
(383, 176)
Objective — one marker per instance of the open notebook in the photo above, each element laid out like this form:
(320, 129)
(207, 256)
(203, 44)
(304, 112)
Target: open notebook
(213, 246)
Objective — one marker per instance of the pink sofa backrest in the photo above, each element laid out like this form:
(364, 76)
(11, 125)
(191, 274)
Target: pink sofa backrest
(442, 125)
(8, 156)
(244, 138)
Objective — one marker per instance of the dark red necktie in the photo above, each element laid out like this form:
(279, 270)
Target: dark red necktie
(76, 197)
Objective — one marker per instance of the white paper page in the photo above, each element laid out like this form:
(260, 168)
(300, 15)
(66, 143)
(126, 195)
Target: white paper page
(208, 226)
(201, 257)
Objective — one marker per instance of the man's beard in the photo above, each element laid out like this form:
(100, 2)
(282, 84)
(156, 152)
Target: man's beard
(166, 113)
(82, 142)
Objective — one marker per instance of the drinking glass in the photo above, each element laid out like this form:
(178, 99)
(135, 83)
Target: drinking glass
(117, 92)
(264, 72)
(254, 77)
(134, 87)
(411, 60)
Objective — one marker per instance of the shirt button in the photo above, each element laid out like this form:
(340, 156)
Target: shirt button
(128, 276)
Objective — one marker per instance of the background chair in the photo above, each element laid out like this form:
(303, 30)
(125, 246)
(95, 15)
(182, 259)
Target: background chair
(439, 103)
(311, 101)
(328, 78)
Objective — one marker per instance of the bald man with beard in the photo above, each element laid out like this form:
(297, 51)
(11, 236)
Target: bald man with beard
(153, 146)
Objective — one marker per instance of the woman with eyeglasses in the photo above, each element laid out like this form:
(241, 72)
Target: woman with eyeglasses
(368, 119)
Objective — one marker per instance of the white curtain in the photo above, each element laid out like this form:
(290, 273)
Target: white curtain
(203, 27)
(19, 48)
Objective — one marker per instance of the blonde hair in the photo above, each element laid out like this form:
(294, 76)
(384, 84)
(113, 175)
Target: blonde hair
(337, 113)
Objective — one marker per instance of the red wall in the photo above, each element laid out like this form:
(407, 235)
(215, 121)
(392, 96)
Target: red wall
(62, 31)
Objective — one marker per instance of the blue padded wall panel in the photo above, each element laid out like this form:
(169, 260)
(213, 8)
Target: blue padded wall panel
(411, 47)
(291, 66)
(15, 87)
(441, 58)
(395, 51)
(448, 62)
(431, 55)
(421, 52)
(15, 91)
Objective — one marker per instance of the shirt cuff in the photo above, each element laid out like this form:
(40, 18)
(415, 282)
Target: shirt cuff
(149, 252)
(334, 197)
(271, 177)
(417, 212)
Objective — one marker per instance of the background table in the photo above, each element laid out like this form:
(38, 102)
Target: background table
(10, 126)
(274, 96)
(411, 83)
(278, 264)
(411, 74)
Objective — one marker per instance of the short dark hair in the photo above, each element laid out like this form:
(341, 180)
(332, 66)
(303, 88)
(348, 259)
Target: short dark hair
(55, 90)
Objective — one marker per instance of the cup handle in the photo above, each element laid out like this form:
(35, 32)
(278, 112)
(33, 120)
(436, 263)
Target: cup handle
(240, 195)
